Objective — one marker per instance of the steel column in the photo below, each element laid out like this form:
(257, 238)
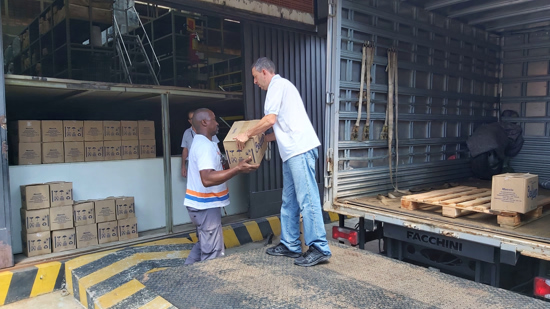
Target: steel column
(166, 158)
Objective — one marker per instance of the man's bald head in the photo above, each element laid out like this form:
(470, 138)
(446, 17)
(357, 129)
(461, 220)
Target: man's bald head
(204, 122)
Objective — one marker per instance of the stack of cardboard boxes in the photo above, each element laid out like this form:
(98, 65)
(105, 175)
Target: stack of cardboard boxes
(56, 141)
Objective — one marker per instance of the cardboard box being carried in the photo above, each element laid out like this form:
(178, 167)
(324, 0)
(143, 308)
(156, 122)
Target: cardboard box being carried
(125, 207)
(53, 153)
(130, 150)
(61, 218)
(52, 131)
(515, 192)
(111, 130)
(255, 147)
(73, 131)
(63, 240)
(84, 213)
(105, 210)
(146, 129)
(74, 152)
(35, 196)
(147, 149)
(35, 221)
(93, 131)
(36, 243)
(28, 154)
(107, 232)
(94, 151)
(127, 229)
(129, 130)
(25, 131)
(86, 235)
(112, 150)
(61, 193)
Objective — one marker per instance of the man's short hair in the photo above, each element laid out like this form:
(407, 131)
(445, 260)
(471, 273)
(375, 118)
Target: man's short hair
(264, 63)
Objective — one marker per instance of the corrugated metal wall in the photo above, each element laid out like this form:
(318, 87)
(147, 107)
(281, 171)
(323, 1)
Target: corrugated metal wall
(301, 58)
(525, 80)
(448, 79)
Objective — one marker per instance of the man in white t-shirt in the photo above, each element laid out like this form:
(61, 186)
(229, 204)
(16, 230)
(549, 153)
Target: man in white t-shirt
(187, 141)
(206, 189)
(297, 141)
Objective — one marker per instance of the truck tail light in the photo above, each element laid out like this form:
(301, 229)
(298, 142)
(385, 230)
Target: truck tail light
(542, 287)
(345, 234)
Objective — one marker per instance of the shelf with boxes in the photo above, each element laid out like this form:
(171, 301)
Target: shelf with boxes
(66, 141)
(53, 222)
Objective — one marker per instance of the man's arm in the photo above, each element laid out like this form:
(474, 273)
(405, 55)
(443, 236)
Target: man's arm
(184, 155)
(211, 178)
(265, 123)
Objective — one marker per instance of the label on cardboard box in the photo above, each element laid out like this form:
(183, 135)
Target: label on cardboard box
(129, 130)
(53, 153)
(107, 232)
(35, 196)
(61, 218)
(125, 207)
(105, 210)
(84, 213)
(94, 151)
(514, 192)
(61, 193)
(29, 154)
(255, 147)
(26, 131)
(111, 130)
(36, 243)
(127, 228)
(146, 129)
(36, 220)
(74, 152)
(93, 131)
(52, 131)
(64, 240)
(86, 235)
(147, 149)
(130, 150)
(73, 131)
(112, 150)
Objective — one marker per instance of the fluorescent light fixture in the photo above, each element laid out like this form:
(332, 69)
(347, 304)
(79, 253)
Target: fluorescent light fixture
(232, 21)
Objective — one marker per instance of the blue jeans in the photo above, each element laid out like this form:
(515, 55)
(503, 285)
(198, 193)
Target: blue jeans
(301, 195)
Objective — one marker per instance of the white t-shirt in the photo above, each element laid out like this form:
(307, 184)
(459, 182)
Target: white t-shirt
(205, 155)
(293, 129)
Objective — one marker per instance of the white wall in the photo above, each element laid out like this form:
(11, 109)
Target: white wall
(142, 179)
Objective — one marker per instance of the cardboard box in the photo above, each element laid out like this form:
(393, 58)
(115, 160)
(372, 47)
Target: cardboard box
(35, 221)
(61, 193)
(107, 232)
(111, 130)
(35, 196)
(84, 213)
(147, 149)
(63, 240)
(94, 151)
(130, 150)
(53, 153)
(28, 154)
(25, 131)
(36, 243)
(61, 218)
(129, 130)
(93, 131)
(515, 192)
(255, 147)
(127, 229)
(73, 131)
(146, 129)
(74, 152)
(125, 207)
(112, 150)
(52, 131)
(105, 210)
(86, 235)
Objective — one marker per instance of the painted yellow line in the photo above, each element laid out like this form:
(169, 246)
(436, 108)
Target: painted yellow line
(230, 238)
(333, 216)
(81, 261)
(154, 270)
(119, 294)
(194, 237)
(168, 241)
(254, 230)
(275, 224)
(157, 303)
(5, 280)
(118, 267)
(44, 282)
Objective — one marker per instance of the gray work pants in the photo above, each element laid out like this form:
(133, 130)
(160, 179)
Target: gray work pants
(209, 231)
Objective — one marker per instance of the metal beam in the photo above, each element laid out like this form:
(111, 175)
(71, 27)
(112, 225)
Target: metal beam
(526, 20)
(484, 7)
(442, 3)
(534, 7)
(165, 105)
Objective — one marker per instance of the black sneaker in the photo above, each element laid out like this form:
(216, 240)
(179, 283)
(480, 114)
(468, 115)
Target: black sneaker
(312, 257)
(281, 250)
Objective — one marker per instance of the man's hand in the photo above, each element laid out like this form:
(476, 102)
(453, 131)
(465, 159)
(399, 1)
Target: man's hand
(241, 140)
(245, 166)
(184, 171)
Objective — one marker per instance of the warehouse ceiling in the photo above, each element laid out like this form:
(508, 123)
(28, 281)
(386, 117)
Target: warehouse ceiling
(498, 16)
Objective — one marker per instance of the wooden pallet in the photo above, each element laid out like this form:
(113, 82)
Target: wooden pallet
(463, 200)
